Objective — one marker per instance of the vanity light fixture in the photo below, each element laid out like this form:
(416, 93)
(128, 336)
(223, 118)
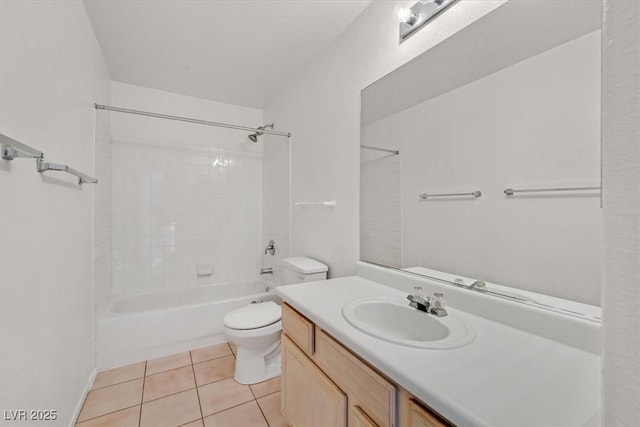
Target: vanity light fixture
(412, 19)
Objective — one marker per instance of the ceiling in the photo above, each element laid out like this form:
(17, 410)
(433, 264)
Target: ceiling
(239, 52)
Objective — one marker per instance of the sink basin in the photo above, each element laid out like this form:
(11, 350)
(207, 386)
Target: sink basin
(391, 319)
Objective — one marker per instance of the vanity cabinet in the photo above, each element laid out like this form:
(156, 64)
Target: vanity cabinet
(308, 396)
(325, 384)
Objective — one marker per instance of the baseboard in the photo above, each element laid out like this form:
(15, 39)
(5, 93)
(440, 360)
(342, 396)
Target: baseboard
(85, 391)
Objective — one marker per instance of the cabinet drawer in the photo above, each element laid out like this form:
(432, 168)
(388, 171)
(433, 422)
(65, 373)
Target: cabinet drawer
(298, 328)
(364, 387)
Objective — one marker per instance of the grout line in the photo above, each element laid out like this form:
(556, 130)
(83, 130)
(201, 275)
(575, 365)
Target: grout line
(144, 378)
(108, 413)
(252, 393)
(262, 412)
(234, 406)
(121, 382)
(170, 369)
(268, 394)
(215, 358)
(197, 391)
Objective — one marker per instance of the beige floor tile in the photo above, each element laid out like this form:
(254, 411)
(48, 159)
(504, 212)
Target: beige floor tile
(211, 352)
(247, 415)
(126, 418)
(110, 399)
(214, 370)
(168, 382)
(198, 423)
(119, 375)
(221, 395)
(270, 406)
(168, 362)
(266, 387)
(174, 410)
(234, 348)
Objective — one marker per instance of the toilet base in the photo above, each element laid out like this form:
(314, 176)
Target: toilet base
(257, 366)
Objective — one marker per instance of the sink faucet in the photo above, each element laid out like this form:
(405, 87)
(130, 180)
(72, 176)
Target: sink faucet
(433, 305)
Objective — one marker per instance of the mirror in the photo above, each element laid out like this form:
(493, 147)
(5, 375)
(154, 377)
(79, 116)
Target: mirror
(510, 102)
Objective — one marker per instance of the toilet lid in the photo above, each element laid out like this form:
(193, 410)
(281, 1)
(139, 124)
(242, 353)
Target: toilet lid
(253, 316)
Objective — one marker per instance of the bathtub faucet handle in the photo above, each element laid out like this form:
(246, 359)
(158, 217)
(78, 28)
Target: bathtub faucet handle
(271, 248)
(267, 270)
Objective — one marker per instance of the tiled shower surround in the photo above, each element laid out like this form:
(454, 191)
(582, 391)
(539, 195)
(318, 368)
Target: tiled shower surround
(184, 215)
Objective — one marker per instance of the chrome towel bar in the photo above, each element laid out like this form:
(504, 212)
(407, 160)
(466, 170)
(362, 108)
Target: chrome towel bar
(425, 196)
(511, 191)
(43, 166)
(12, 149)
(331, 203)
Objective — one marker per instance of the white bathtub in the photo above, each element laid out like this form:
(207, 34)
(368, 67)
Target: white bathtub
(142, 327)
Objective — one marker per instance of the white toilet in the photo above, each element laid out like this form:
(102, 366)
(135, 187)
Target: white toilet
(255, 328)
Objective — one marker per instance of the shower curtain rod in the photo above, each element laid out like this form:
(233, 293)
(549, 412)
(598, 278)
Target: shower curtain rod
(386, 150)
(189, 120)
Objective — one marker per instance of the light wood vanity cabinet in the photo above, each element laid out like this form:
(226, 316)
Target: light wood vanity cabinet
(309, 397)
(324, 384)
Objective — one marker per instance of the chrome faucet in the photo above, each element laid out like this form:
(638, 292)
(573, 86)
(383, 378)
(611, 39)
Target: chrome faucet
(418, 301)
(271, 248)
(267, 270)
(433, 305)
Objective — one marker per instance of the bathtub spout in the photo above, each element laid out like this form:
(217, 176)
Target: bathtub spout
(267, 270)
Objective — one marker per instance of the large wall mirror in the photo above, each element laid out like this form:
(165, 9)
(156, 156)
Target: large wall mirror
(510, 102)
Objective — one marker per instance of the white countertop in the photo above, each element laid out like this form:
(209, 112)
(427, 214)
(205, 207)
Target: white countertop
(505, 377)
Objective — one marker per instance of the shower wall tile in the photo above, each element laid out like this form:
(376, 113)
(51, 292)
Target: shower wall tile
(381, 209)
(178, 208)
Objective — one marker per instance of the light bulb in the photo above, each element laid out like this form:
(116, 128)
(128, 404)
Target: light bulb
(406, 15)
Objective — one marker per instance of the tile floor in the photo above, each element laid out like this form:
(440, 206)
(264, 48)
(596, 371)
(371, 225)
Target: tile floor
(194, 388)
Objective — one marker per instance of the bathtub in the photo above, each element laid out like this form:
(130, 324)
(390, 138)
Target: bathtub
(141, 327)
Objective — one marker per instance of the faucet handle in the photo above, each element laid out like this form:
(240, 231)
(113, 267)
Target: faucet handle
(438, 300)
(417, 295)
(437, 304)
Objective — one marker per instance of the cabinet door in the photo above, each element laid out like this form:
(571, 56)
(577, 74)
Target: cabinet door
(367, 389)
(308, 397)
(357, 418)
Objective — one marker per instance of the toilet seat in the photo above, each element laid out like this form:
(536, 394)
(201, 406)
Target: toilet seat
(253, 316)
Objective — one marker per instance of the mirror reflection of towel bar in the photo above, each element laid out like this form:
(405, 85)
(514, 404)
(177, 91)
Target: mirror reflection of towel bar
(476, 193)
(331, 203)
(511, 191)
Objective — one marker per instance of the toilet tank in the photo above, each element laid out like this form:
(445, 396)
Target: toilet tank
(303, 269)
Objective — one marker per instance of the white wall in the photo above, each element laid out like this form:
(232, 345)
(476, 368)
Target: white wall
(185, 196)
(621, 191)
(51, 73)
(102, 203)
(276, 203)
(535, 124)
(321, 107)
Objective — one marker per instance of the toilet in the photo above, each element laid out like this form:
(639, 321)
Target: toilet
(255, 328)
